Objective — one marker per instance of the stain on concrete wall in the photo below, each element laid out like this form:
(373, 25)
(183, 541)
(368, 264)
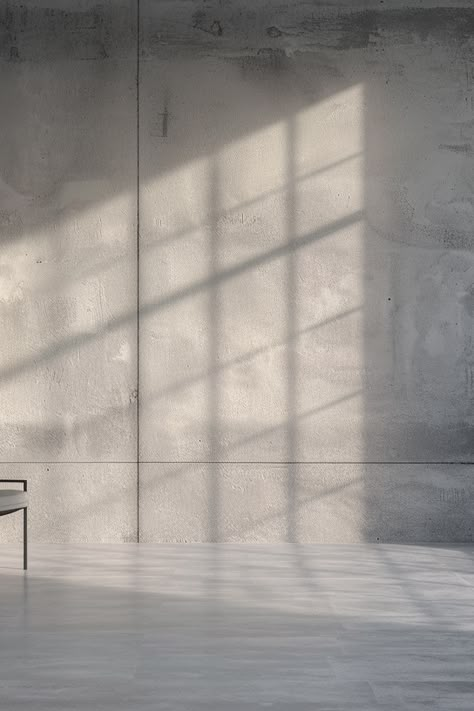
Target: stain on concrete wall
(306, 267)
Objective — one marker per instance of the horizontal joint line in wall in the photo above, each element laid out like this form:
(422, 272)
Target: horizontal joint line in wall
(229, 462)
(283, 462)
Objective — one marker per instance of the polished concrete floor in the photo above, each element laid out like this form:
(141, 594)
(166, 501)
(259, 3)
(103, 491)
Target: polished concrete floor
(237, 627)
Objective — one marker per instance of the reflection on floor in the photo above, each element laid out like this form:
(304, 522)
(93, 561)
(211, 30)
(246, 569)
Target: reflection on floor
(237, 627)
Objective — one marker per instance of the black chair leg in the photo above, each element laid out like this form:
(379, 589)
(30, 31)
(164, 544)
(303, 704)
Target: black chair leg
(25, 538)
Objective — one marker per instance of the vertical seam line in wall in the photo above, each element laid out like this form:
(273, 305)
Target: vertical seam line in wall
(138, 266)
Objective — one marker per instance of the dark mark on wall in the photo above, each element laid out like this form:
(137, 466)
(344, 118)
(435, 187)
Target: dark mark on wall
(199, 18)
(358, 29)
(361, 29)
(161, 119)
(453, 496)
(344, 30)
(201, 22)
(274, 32)
(23, 18)
(39, 32)
(406, 230)
(468, 301)
(312, 26)
(469, 372)
(216, 28)
(267, 60)
(457, 147)
(437, 23)
(164, 126)
(240, 219)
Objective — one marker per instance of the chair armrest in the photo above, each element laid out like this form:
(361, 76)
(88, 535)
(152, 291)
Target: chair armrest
(16, 481)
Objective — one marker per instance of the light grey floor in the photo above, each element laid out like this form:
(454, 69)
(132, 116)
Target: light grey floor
(237, 627)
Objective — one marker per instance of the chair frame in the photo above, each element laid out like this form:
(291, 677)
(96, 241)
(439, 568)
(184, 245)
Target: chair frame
(25, 517)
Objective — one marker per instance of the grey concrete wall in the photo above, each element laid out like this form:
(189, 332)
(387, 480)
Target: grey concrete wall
(304, 364)
(68, 266)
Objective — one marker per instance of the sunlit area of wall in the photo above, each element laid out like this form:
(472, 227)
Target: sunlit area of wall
(253, 290)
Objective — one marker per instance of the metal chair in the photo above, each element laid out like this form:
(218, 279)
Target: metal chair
(12, 500)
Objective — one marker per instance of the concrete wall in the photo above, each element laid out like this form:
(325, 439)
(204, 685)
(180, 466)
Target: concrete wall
(304, 368)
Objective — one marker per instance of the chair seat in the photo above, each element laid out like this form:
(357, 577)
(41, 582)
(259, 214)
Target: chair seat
(11, 499)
